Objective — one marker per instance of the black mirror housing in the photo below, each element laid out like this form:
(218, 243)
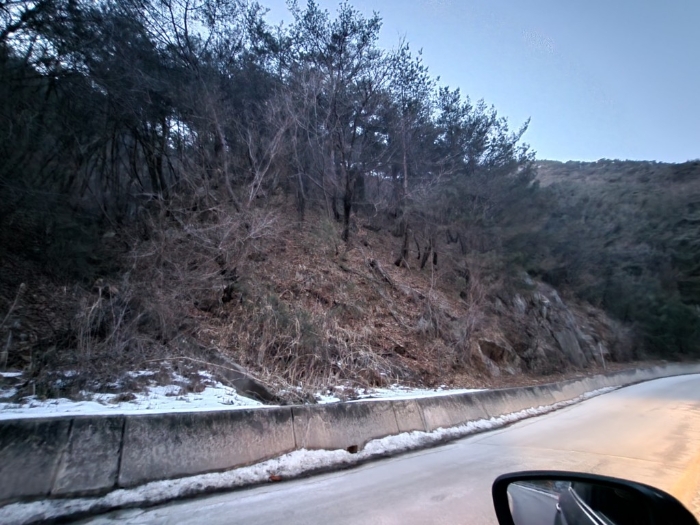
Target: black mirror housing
(656, 507)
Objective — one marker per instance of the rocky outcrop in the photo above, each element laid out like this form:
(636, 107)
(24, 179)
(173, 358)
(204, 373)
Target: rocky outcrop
(534, 330)
(498, 356)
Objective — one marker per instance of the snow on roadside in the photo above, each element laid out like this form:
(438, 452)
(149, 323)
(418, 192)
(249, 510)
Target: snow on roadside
(161, 399)
(8, 391)
(157, 399)
(287, 466)
(396, 392)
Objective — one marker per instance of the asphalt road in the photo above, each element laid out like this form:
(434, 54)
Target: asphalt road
(532, 507)
(648, 433)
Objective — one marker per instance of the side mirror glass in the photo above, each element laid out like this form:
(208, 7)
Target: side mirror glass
(560, 498)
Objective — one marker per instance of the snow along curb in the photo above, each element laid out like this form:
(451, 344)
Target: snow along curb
(292, 465)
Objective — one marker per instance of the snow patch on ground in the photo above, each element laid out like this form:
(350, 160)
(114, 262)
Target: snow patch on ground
(392, 392)
(288, 466)
(160, 399)
(400, 392)
(7, 392)
(157, 399)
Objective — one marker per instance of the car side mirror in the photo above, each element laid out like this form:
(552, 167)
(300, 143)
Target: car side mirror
(569, 498)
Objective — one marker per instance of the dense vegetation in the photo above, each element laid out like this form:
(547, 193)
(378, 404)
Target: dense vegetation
(139, 126)
(624, 235)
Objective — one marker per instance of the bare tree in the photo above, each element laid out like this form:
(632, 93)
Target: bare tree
(343, 57)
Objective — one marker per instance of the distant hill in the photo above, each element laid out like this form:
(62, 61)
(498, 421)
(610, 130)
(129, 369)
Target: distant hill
(624, 235)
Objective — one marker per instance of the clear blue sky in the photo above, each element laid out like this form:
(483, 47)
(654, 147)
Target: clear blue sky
(599, 78)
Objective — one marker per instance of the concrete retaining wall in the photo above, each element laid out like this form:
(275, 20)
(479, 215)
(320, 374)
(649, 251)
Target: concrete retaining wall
(165, 446)
(91, 455)
(342, 425)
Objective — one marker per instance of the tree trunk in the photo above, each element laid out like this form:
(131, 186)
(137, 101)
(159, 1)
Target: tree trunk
(301, 196)
(405, 168)
(334, 184)
(429, 251)
(403, 256)
(347, 207)
(426, 254)
(161, 155)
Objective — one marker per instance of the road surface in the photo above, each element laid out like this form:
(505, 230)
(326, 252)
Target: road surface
(648, 432)
(532, 506)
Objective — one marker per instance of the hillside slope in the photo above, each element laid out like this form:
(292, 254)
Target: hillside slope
(298, 308)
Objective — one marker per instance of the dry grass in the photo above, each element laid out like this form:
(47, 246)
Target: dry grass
(288, 301)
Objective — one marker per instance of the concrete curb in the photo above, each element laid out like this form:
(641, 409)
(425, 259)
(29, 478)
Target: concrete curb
(93, 455)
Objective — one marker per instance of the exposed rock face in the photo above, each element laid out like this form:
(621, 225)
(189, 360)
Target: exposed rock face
(570, 347)
(497, 356)
(539, 332)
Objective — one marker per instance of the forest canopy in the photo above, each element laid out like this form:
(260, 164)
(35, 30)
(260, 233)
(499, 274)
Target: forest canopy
(111, 105)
